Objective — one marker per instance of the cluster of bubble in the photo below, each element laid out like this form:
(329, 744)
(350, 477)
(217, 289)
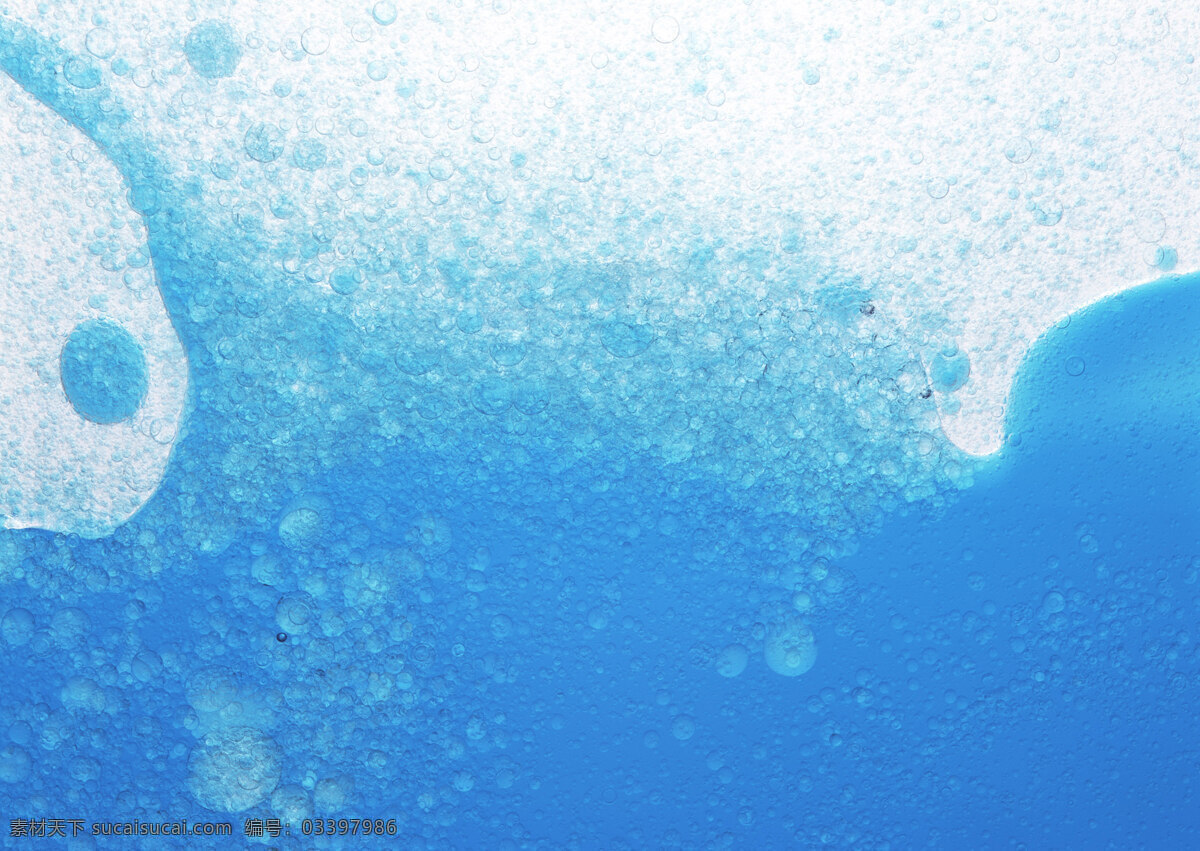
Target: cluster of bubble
(398, 288)
(751, 362)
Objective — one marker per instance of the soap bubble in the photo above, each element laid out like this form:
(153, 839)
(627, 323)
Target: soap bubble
(234, 769)
(790, 647)
(732, 660)
(103, 372)
(212, 49)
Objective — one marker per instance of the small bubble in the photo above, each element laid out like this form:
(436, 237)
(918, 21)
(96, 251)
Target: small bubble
(281, 637)
(665, 30)
(1165, 258)
(1047, 213)
(483, 132)
(81, 73)
(314, 41)
(1018, 150)
(212, 49)
(263, 143)
(1151, 226)
(441, 168)
(100, 43)
(949, 370)
(384, 13)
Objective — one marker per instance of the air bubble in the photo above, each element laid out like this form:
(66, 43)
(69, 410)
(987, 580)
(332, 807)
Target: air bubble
(790, 648)
(100, 43)
(212, 49)
(234, 769)
(733, 660)
(103, 372)
(314, 41)
(665, 30)
(949, 370)
(1018, 150)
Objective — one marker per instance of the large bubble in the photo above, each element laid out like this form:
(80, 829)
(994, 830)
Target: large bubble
(104, 372)
(212, 49)
(234, 769)
(790, 648)
(732, 660)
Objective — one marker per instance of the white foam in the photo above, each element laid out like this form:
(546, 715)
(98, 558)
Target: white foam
(65, 257)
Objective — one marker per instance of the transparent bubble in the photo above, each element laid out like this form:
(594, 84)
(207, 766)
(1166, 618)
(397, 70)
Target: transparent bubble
(665, 29)
(212, 49)
(301, 528)
(683, 727)
(295, 613)
(949, 370)
(492, 396)
(101, 43)
(938, 188)
(81, 694)
(1054, 602)
(732, 660)
(384, 13)
(315, 41)
(81, 73)
(790, 647)
(263, 142)
(1151, 226)
(234, 769)
(1018, 150)
(310, 154)
(17, 626)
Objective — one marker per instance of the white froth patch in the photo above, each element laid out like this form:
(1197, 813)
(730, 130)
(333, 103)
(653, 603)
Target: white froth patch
(73, 250)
